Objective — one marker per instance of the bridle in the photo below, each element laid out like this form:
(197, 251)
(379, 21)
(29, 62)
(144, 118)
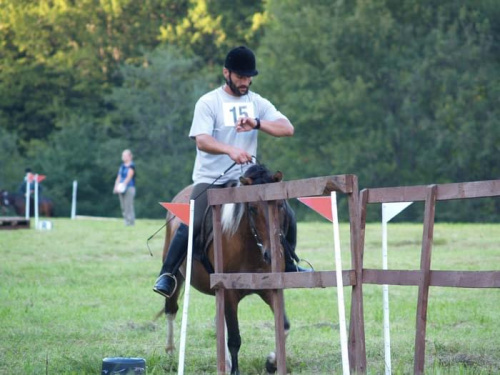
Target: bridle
(258, 241)
(255, 234)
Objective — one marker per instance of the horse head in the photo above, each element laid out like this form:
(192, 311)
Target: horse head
(258, 174)
(257, 212)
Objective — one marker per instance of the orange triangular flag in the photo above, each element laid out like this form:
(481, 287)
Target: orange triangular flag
(322, 205)
(31, 177)
(181, 210)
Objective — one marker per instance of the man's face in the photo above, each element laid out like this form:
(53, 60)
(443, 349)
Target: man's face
(238, 84)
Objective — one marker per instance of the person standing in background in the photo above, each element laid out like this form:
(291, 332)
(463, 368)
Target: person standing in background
(125, 187)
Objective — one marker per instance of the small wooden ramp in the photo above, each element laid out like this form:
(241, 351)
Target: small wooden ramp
(14, 222)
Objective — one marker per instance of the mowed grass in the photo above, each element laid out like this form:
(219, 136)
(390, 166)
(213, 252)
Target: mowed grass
(81, 292)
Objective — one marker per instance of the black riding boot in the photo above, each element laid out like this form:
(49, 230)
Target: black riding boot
(290, 260)
(166, 282)
(289, 242)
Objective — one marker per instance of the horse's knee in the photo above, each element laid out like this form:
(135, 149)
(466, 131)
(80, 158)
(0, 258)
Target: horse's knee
(171, 304)
(234, 343)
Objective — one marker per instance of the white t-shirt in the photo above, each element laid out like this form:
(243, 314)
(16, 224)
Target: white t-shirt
(215, 114)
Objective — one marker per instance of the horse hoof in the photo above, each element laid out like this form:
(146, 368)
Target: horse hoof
(169, 349)
(271, 363)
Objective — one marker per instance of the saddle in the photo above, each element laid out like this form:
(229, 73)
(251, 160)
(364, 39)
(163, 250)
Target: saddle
(203, 241)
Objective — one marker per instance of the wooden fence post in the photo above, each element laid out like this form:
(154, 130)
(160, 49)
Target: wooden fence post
(423, 288)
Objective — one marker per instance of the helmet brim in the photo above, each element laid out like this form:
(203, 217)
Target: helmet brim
(246, 73)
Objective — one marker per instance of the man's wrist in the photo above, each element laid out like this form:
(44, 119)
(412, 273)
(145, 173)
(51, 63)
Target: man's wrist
(257, 126)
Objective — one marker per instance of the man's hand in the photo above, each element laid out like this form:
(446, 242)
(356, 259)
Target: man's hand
(245, 124)
(239, 156)
(209, 144)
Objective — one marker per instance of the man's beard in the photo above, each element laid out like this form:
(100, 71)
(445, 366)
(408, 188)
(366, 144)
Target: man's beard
(235, 89)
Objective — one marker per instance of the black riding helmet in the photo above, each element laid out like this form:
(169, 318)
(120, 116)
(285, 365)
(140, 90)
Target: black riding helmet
(241, 60)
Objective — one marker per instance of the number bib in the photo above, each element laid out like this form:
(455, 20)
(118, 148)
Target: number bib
(233, 111)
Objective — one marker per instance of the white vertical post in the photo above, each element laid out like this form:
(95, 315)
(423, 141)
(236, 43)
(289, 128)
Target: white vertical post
(27, 207)
(385, 298)
(73, 200)
(189, 261)
(36, 201)
(389, 210)
(340, 286)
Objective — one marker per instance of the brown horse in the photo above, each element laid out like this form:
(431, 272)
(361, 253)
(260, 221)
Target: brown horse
(17, 202)
(246, 248)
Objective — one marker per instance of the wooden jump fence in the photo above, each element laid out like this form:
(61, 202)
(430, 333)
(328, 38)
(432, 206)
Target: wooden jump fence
(358, 202)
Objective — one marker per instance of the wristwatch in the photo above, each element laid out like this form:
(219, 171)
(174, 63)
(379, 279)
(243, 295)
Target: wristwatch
(257, 120)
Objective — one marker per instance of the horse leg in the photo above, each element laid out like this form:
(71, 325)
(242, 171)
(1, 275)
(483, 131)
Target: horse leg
(228, 354)
(233, 329)
(170, 345)
(20, 207)
(171, 308)
(271, 367)
(45, 209)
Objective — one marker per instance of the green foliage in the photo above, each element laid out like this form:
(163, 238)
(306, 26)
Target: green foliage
(76, 153)
(58, 57)
(152, 116)
(396, 92)
(211, 28)
(11, 163)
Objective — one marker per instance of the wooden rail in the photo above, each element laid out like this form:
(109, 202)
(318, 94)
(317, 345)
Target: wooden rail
(423, 277)
(277, 281)
(16, 222)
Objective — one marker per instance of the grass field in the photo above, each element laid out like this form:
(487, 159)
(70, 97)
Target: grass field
(81, 292)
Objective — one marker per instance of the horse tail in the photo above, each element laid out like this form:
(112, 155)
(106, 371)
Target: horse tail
(159, 314)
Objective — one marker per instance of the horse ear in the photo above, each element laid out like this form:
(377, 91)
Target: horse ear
(278, 176)
(246, 180)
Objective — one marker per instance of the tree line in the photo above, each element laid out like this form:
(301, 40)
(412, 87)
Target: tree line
(396, 92)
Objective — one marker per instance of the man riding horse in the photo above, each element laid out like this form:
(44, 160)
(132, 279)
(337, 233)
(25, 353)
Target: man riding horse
(225, 127)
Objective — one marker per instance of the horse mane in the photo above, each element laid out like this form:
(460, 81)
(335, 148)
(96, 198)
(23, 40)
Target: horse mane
(232, 213)
(231, 217)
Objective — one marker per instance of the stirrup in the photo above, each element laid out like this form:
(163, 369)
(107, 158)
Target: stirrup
(159, 291)
(298, 268)
(309, 264)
